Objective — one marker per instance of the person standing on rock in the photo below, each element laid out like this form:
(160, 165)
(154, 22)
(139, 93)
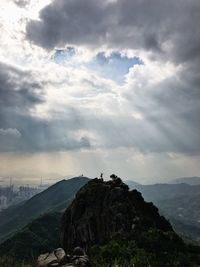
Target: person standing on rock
(101, 176)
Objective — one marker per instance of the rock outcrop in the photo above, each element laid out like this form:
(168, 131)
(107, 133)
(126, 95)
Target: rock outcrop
(58, 258)
(52, 259)
(102, 209)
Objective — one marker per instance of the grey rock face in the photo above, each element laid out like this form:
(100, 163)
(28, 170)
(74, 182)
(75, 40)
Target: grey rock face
(58, 258)
(52, 259)
(102, 209)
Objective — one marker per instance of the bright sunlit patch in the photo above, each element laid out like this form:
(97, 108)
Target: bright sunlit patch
(150, 73)
(137, 115)
(34, 8)
(10, 13)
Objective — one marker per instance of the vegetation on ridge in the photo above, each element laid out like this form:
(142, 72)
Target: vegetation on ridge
(140, 237)
(152, 248)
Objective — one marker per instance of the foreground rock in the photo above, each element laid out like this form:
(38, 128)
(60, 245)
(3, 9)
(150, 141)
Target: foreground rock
(59, 258)
(102, 209)
(54, 258)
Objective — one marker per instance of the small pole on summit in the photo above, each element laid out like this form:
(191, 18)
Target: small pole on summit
(101, 176)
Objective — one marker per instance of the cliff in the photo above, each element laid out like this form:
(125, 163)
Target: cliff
(101, 209)
(114, 225)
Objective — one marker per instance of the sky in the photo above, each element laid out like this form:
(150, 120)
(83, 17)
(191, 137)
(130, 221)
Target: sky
(109, 86)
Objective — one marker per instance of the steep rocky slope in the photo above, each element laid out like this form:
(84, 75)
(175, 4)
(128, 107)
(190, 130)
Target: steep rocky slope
(115, 226)
(102, 209)
(180, 203)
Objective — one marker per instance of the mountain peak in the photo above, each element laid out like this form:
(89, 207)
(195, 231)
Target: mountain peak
(104, 208)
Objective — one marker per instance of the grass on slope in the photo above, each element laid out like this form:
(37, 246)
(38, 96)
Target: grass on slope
(40, 236)
(55, 198)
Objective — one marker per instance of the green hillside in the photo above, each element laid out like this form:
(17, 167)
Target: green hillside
(55, 198)
(37, 237)
(43, 234)
(178, 202)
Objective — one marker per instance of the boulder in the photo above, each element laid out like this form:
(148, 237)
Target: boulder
(53, 259)
(58, 258)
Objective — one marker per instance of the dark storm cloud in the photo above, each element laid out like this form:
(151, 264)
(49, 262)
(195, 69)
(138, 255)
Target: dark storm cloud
(39, 135)
(161, 26)
(20, 93)
(18, 90)
(73, 21)
(171, 115)
(169, 29)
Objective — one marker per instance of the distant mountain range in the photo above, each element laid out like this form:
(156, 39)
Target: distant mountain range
(55, 198)
(180, 203)
(187, 180)
(37, 227)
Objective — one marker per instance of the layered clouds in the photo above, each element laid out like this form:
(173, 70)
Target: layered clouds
(107, 85)
(162, 27)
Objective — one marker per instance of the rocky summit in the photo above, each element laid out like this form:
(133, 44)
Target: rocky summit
(109, 225)
(102, 209)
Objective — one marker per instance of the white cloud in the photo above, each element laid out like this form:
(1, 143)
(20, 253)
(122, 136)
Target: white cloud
(154, 113)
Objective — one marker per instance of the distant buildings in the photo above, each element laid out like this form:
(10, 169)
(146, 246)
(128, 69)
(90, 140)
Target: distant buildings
(3, 202)
(27, 192)
(10, 195)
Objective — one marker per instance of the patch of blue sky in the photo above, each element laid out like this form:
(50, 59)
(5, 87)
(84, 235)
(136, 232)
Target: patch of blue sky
(114, 66)
(62, 55)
